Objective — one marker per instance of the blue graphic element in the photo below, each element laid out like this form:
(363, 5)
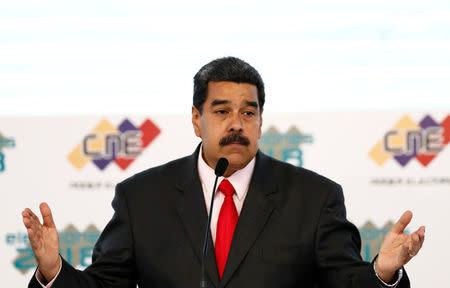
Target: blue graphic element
(285, 146)
(293, 156)
(2, 162)
(27, 260)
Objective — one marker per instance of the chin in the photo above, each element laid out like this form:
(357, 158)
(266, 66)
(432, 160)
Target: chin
(237, 162)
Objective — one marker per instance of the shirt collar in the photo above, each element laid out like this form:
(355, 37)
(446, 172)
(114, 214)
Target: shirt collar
(239, 179)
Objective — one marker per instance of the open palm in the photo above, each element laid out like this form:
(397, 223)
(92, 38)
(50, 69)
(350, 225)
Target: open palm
(44, 240)
(398, 248)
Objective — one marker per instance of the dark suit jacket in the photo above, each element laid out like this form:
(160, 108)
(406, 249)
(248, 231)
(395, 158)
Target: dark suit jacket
(292, 232)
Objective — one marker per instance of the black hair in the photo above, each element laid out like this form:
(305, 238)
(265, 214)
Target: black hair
(226, 69)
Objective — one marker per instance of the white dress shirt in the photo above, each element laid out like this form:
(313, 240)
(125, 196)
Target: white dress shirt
(239, 179)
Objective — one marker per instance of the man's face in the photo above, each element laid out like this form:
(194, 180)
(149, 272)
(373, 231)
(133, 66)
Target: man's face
(230, 124)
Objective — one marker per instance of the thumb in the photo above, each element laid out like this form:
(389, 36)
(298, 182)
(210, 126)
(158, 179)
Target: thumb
(47, 215)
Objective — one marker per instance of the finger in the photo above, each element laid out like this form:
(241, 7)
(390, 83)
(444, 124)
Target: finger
(405, 255)
(402, 222)
(31, 219)
(34, 217)
(33, 225)
(421, 235)
(46, 215)
(30, 223)
(421, 232)
(27, 222)
(27, 213)
(31, 230)
(26, 218)
(32, 236)
(415, 245)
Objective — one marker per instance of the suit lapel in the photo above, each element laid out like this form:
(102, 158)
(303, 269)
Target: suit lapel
(255, 212)
(192, 210)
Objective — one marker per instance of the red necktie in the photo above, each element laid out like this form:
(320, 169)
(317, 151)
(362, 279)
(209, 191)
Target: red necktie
(228, 218)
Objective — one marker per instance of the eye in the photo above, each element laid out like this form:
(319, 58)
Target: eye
(220, 112)
(249, 113)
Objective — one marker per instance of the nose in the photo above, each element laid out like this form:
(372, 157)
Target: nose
(235, 123)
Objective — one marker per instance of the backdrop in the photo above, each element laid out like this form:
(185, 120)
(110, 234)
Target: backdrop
(387, 162)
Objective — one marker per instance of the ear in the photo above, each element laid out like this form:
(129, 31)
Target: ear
(196, 121)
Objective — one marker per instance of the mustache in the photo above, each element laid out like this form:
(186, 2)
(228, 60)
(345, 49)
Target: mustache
(234, 138)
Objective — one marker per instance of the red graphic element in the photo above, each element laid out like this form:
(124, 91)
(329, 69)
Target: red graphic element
(446, 133)
(425, 159)
(149, 132)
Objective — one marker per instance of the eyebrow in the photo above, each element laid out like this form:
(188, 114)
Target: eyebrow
(220, 102)
(252, 103)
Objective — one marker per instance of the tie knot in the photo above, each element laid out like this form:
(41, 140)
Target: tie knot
(226, 188)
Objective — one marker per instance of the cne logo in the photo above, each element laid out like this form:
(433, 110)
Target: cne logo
(106, 144)
(408, 139)
(284, 147)
(5, 143)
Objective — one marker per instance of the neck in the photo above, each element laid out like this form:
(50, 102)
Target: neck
(229, 172)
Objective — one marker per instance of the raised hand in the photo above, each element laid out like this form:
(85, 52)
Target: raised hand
(44, 240)
(398, 248)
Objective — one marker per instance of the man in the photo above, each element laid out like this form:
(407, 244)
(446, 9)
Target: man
(276, 225)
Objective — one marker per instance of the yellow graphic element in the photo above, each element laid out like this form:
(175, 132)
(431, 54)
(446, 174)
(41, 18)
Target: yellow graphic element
(378, 155)
(397, 141)
(95, 144)
(77, 159)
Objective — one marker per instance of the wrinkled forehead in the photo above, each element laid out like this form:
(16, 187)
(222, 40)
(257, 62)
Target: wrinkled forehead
(224, 92)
